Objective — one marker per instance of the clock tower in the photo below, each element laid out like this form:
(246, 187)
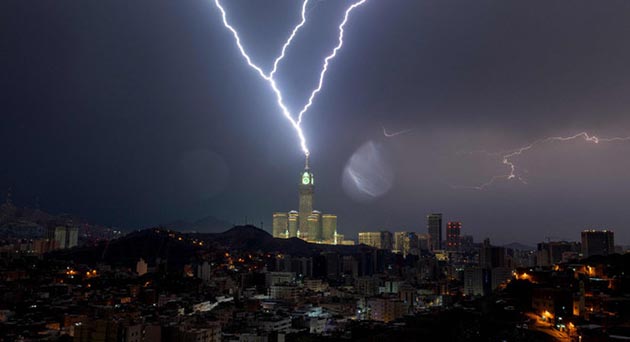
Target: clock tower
(306, 189)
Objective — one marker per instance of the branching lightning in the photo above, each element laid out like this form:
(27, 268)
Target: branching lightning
(328, 58)
(269, 78)
(507, 158)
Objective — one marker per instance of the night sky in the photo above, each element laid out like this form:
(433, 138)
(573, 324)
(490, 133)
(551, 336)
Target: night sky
(135, 113)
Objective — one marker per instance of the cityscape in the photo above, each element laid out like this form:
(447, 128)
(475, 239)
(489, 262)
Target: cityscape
(312, 170)
(304, 282)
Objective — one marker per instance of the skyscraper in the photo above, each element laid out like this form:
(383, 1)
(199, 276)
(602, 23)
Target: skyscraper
(434, 228)
(280, 225)
(293, 223)
(315, 226)
(308, 224)
(63, 236)
(453, 232)
(306, 190)
(406, 243)
(492, 256)
(329, 227)
(380, 240)
(597, 242)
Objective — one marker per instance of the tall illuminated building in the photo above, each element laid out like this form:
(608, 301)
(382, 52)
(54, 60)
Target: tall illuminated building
(380, 240)
(63, 236)
(597, 242)
(434, 228)
(329, 227)
(453, 232)
(280, 225)
(308, 224)
(405, 243)
(306, 190)
(315, 226)
(293, 224)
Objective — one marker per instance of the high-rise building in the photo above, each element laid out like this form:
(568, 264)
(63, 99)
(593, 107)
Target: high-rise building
(293, 223)
(280, 225)
(453, 232)
(492, 256)
(308, 224)
(423, 242)
(386, 309)
(380, 240)
(552, 252)
(406, 243)
(467, 244)
(434, 228)
(72, 235)
(63, 236)
(315, 226)
(597, 242)
(370, 239)
(204, 272)
(329, 227)
(476, 281)
(399, 238)
(307, 188)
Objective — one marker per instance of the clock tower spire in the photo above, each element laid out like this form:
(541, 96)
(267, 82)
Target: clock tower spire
(306, 190)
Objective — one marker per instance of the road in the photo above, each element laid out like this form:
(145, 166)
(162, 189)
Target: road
(537, 324)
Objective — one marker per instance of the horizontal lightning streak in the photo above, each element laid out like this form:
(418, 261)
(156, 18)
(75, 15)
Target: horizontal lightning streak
(506, 159)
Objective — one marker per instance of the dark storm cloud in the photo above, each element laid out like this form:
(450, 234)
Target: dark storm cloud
(106, 106)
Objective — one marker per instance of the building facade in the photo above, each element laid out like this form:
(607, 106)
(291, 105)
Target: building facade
(597, 242)
(380, 240)
(306, 190)
(453, 233)
(434, 228)
(406, 243)
(307, 224)
(61, 237)
(280, 225)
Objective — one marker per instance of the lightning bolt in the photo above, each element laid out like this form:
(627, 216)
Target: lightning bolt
(269, 78)
(507, 159)
(391, 135)
(332, 55)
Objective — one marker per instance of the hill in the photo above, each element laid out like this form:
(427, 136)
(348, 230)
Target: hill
(207, 224)
(179, 248)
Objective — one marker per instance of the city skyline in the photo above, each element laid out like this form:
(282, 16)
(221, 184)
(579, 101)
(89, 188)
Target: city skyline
(310, 170)
(165, 123)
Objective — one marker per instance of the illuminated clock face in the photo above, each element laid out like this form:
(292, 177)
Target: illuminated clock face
(305, 179)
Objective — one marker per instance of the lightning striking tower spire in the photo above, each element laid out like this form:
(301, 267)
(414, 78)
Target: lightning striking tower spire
(269, 78)
(507, 158)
